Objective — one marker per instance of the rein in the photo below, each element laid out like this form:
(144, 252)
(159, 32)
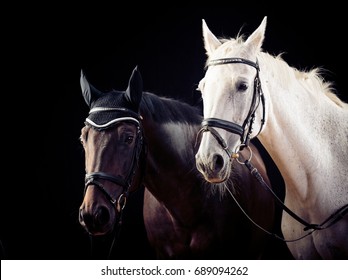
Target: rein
(331, 220)
(208, 124)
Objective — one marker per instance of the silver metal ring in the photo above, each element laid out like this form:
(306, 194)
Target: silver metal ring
(237, 152)
(121, 202)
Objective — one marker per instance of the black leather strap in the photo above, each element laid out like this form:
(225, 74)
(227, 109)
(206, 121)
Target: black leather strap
(233, 60)
(102, 175)
(229, 126)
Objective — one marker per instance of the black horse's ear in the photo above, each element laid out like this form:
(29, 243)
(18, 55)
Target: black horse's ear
(135, 88)
(89, 92)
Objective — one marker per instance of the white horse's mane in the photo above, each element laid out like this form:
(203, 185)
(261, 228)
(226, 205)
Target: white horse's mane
(312, 79)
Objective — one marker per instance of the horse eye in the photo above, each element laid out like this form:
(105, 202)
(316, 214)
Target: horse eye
(129, 139)
(83, 135)
(200, 86)
(82, 140)
(242, 87)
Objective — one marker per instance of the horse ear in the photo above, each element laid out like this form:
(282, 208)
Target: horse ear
(255, 40)
(89, 92)
(134, 90)
(211, 43)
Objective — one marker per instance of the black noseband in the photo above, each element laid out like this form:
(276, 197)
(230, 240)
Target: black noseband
(92, 179)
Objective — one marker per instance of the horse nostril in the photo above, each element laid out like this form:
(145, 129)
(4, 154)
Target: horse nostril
(102, 216)
(97, 220)
(81, 219)
(85, 218)
(218, 162)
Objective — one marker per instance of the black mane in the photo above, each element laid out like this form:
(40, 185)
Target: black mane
(165, 109)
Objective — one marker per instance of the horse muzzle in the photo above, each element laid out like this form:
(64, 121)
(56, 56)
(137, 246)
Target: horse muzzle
(97, 221)
(215, 169)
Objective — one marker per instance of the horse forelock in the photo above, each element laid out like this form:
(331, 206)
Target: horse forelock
(228, 45)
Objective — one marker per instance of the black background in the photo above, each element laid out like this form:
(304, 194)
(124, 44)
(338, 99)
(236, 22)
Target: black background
(44, 110)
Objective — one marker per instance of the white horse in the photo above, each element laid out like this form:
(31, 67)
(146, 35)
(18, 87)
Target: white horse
(299, 120)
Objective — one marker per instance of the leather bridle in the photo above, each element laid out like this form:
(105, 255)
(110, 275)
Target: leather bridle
(92, 179)
(245, 130)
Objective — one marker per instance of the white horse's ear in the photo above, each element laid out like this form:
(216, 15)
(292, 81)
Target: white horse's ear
(255, 40)
(211, 43)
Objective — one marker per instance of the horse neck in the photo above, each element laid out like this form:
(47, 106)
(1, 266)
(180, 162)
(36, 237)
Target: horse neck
(171, 174)
(301, 130)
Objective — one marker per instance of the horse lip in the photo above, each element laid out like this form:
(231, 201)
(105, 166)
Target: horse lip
(98, 233)
(214, 179)
(103, 231)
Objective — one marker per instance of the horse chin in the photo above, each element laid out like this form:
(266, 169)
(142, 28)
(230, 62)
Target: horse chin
(216, 178)
(100, 233)
(106, 229)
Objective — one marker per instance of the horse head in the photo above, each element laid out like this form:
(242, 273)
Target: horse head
(232, 101)
(113, 143)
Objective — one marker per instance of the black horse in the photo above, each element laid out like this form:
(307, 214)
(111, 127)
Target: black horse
(133, 138)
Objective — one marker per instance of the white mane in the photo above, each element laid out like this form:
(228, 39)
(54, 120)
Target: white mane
(312, 80)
